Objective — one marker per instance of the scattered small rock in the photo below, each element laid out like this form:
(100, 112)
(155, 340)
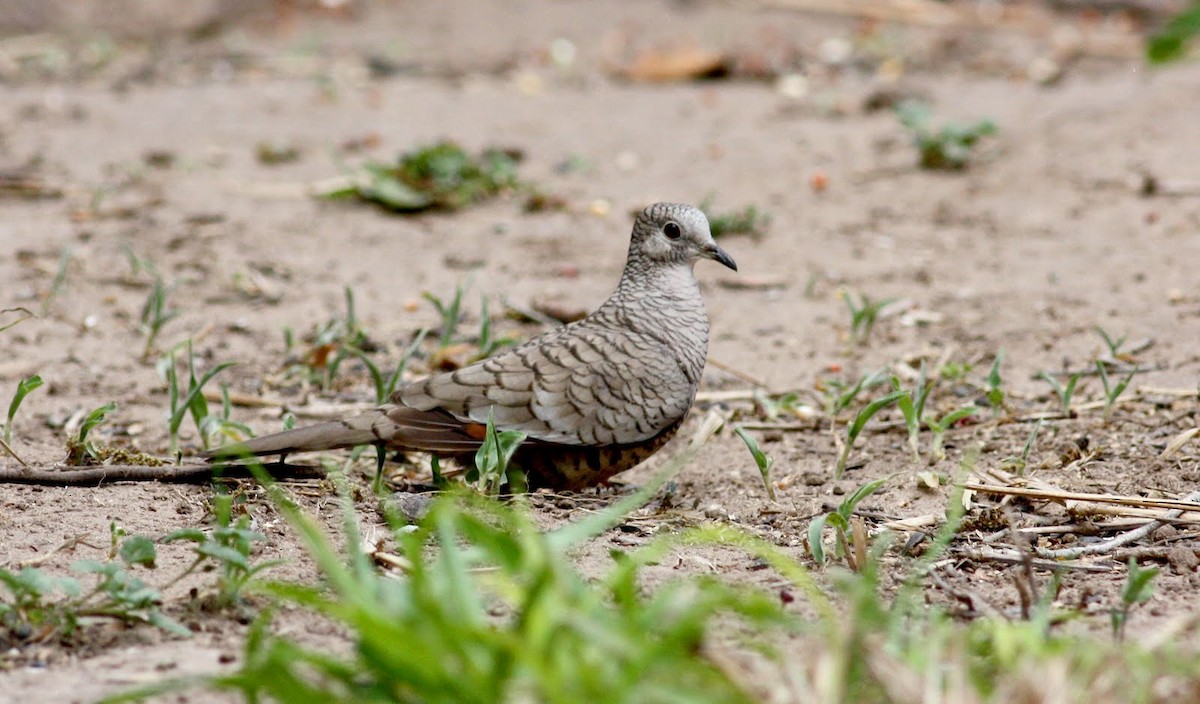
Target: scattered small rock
(814, 478)
(460, 262)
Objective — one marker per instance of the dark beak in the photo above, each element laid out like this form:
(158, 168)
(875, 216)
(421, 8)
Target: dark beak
(717, 254)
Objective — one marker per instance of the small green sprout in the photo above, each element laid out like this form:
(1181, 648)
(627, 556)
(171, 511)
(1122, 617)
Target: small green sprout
(863, 314)
(1018, 463)
(772, 406)
(26, 316)
(488, 343)
(839, 395)
(139, 265)
(839, 519)
(57, 605)
(948, 148)
(155, 315)
(1138, 588)
(955, 371)
(80, 449)
(855, 428)
(385, 386)
(331, 343)
(1065, 392)
(761, 459)
(1111, 391)
(912, 404)
(912, 407)
(450, 313)
(995, 389)
(492, 468)
(190, 400)
(228, 545)
(24, 388)
(60, 279)
(1114, 345)
(223, 427)
(938, 429)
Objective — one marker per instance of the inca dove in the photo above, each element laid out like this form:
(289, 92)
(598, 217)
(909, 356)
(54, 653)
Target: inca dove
(595, 397)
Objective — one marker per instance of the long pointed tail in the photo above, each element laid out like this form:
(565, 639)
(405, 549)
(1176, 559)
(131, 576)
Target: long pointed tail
(398, 427)
(322, 436)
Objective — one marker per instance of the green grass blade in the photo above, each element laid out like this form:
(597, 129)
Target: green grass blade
(24, 388)
(816, 537)
(398, 372)
(760, 458)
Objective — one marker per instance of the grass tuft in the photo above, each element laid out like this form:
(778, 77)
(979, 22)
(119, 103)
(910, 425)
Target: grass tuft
(947, 148)
(747, 221)
(442, 176)
(1170, 43)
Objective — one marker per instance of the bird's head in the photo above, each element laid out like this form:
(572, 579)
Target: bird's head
(674, 233)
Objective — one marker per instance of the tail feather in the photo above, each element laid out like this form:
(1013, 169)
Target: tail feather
(322, 436)
(397, 427)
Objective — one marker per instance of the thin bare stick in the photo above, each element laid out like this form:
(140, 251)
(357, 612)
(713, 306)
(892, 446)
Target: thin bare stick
(727, 395)
(527, 312)
(245, 400)
(1188, 504)
(1162, 391)
(785, 427)
(738, 373)
(927, 13)
(913, 523)
(390, 561)
(1136, 516)
(1121, 540)
(973, 599)
(1151, 552)
(1178, 442)
(192, 473)
(68, 544)
(4, 446)
(1013, 557)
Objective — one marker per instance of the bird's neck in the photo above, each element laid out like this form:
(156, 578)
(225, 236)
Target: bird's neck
(671, 285)
(664, 302)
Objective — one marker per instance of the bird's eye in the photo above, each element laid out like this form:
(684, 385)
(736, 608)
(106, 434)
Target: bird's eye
(672, 231)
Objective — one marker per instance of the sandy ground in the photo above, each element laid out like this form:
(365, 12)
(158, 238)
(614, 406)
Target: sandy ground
(1028, 251)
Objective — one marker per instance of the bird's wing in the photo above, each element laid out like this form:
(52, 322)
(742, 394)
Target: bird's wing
(579, 385)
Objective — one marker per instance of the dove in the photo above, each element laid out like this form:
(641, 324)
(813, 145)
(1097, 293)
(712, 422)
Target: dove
(594, 398)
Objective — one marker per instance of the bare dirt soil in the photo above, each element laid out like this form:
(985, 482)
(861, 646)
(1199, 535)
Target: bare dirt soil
(151, 147)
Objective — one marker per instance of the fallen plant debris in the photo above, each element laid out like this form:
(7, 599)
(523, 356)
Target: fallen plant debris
(20, 185)
(442, 176)
(149, 472)
(749, 220)
(680, 63)
(1171, 42)
(276, 153)
(946, 148)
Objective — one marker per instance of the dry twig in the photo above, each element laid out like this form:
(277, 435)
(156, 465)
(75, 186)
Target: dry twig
(192, 473)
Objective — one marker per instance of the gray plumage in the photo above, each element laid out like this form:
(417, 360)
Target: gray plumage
(595, 397)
